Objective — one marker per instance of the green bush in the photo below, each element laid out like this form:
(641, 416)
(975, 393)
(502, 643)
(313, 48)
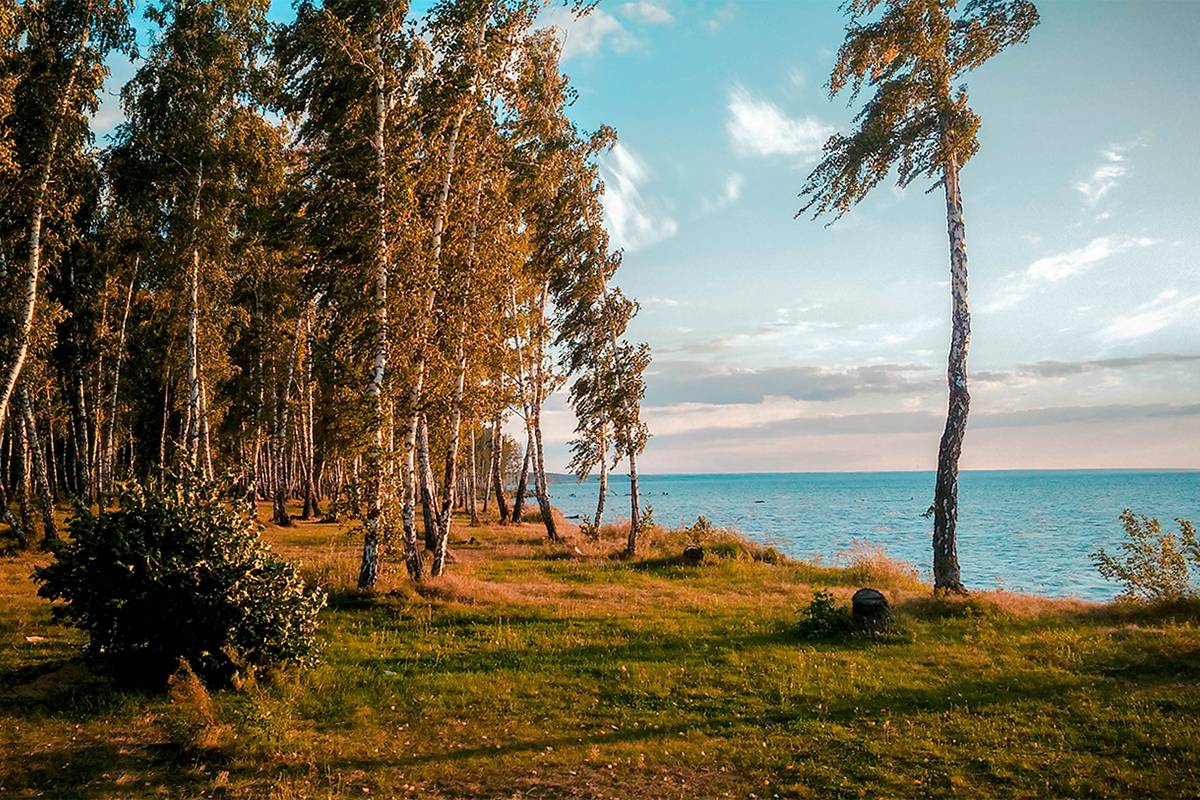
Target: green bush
(823, 618)
(175, 572)
(1154, 565)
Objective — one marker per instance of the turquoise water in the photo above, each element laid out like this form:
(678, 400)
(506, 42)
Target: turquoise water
(1022, 531)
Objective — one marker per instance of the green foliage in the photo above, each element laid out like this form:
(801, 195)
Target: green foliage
(175, 572)
(589, 528)
(823, 618)
(1154, 566)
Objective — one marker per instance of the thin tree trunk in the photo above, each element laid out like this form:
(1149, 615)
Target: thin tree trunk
(603, 475)
(946, 576)
(166, 419)
(281, 417)
(498, 468)
(451, 475)
(109, 455)
(38, 460)
(192, 430)
(369, 570)
(635, 507)
(428, 491)
(79, 421)
(6, 513)
(23, 482)
(473, 482)
(518, 507)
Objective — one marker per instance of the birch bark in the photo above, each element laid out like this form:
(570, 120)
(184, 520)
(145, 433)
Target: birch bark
(946, 576)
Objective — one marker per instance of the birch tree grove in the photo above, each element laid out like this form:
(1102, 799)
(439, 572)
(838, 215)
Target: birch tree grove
(919, 122)
(329, 259)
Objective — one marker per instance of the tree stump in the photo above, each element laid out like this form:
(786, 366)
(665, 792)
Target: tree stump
(693, 554)
(870, 608)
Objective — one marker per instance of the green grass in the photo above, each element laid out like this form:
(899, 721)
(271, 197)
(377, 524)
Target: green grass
(537, 671)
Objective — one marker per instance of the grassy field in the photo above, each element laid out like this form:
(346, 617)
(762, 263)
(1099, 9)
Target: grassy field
(562, 671)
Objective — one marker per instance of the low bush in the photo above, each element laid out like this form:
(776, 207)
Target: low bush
(1153, 565)
(175, 572)
(824, 618)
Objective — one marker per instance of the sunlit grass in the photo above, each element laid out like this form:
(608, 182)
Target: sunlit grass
(568, 671)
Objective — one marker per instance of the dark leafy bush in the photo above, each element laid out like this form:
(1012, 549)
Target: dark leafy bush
(175, 572)
(823, 618)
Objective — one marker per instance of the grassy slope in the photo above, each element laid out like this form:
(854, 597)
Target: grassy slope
(542, 672)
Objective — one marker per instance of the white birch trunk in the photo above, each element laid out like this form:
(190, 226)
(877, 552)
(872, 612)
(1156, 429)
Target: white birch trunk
(946, 575)
(109, 451)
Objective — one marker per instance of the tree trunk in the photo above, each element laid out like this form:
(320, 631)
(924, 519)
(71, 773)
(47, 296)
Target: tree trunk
(518, 507)
(38, 460)
(109, 453)
(473, 482)
(946, 577)
(603, 475)
(428, 490)
(281, 420)
(450, 475)
(369, 568)
(635, 506)
(498, 468)
(193, 431)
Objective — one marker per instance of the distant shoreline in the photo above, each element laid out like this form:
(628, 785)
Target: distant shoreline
(559, 478)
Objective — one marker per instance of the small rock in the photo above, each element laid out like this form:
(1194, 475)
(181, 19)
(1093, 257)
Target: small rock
(693, 554)
(870, 607)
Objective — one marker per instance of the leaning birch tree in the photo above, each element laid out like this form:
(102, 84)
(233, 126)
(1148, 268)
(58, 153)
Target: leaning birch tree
(918, 121)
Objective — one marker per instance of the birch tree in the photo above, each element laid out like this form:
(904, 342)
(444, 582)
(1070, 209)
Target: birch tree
(197, 150)
(912, 53)
(53, 68)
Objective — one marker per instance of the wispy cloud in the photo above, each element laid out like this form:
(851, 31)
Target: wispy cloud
(729, 195)
(661, 301)
(1113, 168)
(587, 34)
(1164, 310)
(633, 220)
(679, 381)
(645, 11)
(1052, 269)
(758, 127)
(724, 15)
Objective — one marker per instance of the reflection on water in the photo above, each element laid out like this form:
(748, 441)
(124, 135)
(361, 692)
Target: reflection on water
(1023, 531)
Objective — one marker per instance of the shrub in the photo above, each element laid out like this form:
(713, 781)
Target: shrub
(175, 572)
(1154, 565)
(823, 619)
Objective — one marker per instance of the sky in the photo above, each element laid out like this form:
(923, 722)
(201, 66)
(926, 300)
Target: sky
(792, 345)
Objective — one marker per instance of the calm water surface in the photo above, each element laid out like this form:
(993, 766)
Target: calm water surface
(1023, 531)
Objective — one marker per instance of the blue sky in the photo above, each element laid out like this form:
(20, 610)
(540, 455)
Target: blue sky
(782, 344)
(785, 345)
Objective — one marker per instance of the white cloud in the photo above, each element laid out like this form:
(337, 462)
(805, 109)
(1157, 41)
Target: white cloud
(1064, 265)
(729, 195)
(587, 34)
(725, 15)
(633, 221)
(686, 417)
(1149, 317)
(1112, 169)
(1052, 269)
(759, 128)
(645, 11)
(662, 301)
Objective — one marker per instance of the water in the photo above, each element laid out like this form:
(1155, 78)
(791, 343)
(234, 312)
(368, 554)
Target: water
(1021, 531)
